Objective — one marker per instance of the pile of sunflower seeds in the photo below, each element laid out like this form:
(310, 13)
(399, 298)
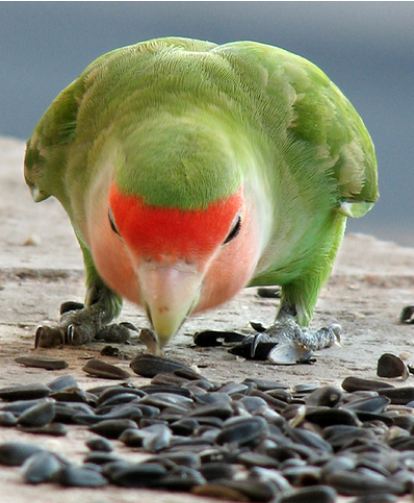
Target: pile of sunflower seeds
(257, 440)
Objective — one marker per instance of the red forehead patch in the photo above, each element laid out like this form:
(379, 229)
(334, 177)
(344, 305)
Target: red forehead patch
(155, 231)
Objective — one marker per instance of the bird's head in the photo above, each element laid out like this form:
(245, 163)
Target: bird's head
(182, 219)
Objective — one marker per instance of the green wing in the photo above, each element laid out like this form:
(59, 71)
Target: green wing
(299, 104)
(325, 118)
(46, 149)
(76, 119)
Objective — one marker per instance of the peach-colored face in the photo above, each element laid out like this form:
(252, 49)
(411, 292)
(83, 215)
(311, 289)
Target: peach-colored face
(150, 254)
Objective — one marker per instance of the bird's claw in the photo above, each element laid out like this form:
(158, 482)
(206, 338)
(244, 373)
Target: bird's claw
(254, 347)
(255, 343)
(70, 334)
(76, 335)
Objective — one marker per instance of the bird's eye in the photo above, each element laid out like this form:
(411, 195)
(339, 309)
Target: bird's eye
(112, 223)
(234, 230)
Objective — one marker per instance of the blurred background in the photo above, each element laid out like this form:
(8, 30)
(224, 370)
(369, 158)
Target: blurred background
(367, 49)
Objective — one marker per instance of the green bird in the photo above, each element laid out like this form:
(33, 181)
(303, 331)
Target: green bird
(190, 170)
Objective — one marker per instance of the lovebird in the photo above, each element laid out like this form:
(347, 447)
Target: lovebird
(190, 170)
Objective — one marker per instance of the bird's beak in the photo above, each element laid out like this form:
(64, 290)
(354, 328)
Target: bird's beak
(169, 293)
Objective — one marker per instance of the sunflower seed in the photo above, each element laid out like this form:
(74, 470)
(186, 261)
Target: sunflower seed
(7, 419)
(169, 459)
(100, 444)
(42, 363)
(111, 391)
(24, 392)
(112, 428)
(184, 426)
(99, 368)
(63, 382)
(181, 480)
(357, 383)
(73, 476)
(302, 475)
(401, 395)
(149, 366)
(139, 475)
(356, 484)
(265, 384)
(73, 395)
(326, 416)
(16, 453)
(210, 338)
(390, 365)
(41, 467)
(242, 431)
(327, 396)
(100, 458)
(40, 414)
(375, 405)
(407, 315)
(253, 459)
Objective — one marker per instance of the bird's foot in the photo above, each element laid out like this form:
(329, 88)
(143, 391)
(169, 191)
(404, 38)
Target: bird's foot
(79, 325)
(296, 344)
(287, 343)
